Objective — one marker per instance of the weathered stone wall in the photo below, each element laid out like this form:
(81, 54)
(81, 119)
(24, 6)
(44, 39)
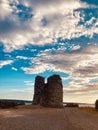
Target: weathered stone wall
(44, 97)
(38, 87)
(50, 94)
(55, 91)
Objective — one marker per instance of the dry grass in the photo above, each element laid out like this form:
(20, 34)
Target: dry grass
(90, 110)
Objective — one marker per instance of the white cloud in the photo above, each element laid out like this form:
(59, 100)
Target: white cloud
(29, 83)
(66, 78)
(81, 89)
(5, 9)
(82, 65)
(5, 62)
(45, 26)
(22, 57)
(36, 69)
(15, 69)
(75, 47)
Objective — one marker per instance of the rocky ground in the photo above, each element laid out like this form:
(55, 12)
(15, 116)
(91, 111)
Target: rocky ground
(39, 118)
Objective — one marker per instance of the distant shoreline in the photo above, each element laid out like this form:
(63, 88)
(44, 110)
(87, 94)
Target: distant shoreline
(29, 102)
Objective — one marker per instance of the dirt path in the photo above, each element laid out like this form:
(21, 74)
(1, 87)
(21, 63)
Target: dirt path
(47, 119)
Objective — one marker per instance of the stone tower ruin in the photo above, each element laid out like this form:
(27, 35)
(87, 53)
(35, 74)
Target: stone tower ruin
(55, 91)
(39, 85)
(50, 94)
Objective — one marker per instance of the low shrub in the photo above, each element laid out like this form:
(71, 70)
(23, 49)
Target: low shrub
(96, 104)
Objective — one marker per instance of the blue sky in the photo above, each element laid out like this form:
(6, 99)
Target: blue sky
(46, 37)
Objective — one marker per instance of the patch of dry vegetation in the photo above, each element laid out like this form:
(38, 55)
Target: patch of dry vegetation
(90, 110)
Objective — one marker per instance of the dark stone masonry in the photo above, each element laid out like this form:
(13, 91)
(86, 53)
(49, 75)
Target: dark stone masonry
(50, 94)
(38, 87)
